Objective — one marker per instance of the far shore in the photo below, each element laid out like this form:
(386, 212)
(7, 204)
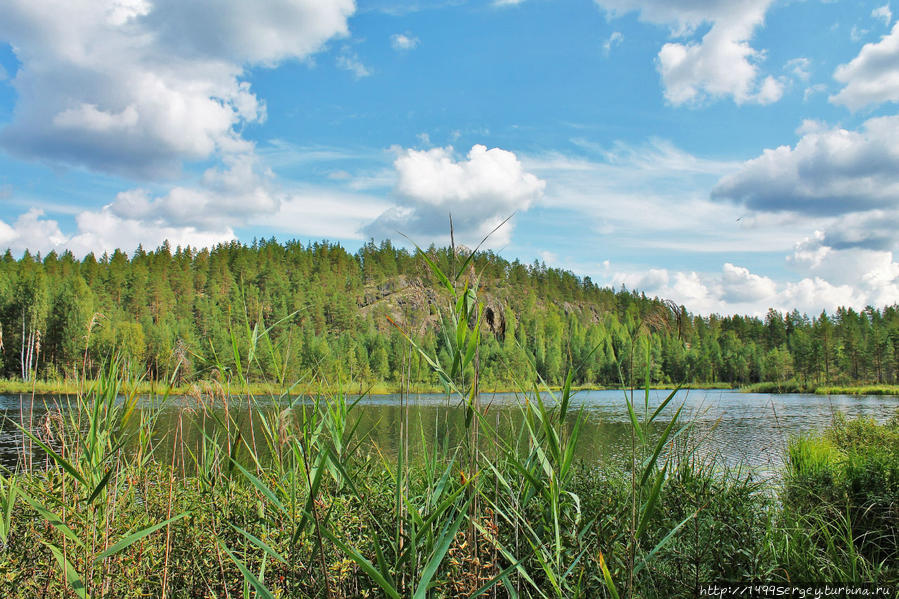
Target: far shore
(70, 387)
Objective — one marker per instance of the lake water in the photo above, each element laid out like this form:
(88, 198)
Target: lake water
(746, 429)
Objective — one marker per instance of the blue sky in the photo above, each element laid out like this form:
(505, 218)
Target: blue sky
(733, 156)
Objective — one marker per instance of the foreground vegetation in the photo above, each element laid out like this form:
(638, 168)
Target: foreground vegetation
(303, 504)
(174, 312)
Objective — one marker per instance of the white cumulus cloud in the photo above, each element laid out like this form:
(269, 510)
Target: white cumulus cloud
(324, 213)
(479, 191)
(872, 271)
(737, 290)
(225, 196)
(720, 64)
(830, 171)
(872, 77)
(738, 285)
(135, 87)
(101, 231)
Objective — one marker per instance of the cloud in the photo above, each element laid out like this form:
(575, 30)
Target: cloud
(857, 33)
(479, 191)
(811, 90)
(507, 2)
(847, 182)
(871, 273)
(799, 68)
(733, 290)
(811, 295)
(614, 40)
(31, 231)
(654, 195)
(200, 216)
(738, 285)
(324, 213)
(349, 61)
(883, 13)
(722, 63)
(871, 230)
(224, 196)
(830, 171)
(100, 231)
(819, 255)
(403, 41)
(135, 88)
(736, 290)
(685, 288)
(872, 77)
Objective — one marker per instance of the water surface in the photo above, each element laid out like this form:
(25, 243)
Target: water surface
(739, 429)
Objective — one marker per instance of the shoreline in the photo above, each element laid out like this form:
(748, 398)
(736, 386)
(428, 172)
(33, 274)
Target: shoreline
(11, 387)
(70, 388)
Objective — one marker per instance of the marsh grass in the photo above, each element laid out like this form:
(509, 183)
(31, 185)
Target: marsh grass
(794, 386)
(841, 501)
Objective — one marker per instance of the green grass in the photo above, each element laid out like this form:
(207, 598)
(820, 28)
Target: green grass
(858, 390)
(794, 386)
(791, 386)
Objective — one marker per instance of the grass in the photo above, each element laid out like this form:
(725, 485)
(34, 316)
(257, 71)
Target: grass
(841, 502)
(858, 390)
(310, 509)
(794, 386)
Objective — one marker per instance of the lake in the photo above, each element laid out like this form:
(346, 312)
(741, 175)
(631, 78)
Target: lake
(745, 429)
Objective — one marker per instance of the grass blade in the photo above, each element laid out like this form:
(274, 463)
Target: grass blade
(363, 563)
(661, 444)
(651, 501)
(132, 538)
(492, 582)
(100, 487)
(633, 416)
(664, 403)
(433, 564)
(54, 520)
(68, 467)
(262, 488)
(259, 543)
(72, 576)
(607, 576)
(261, 589)
(662, 543)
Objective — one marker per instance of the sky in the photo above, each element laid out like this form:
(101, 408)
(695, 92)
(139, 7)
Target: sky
(731, 155)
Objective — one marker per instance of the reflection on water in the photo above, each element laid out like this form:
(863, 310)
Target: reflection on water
(748, 429)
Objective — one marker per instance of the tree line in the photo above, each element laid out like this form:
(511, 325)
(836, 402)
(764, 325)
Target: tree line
(337, 315)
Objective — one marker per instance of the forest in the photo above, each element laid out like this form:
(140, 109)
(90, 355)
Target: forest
(340, 315)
